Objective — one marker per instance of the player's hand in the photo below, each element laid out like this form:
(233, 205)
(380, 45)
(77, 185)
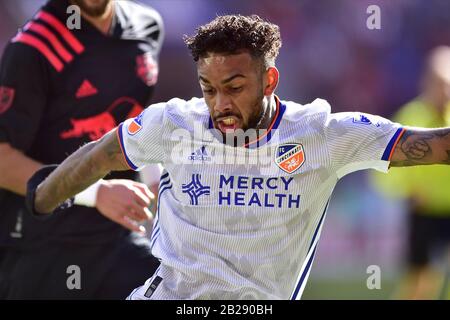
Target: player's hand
(125, 202)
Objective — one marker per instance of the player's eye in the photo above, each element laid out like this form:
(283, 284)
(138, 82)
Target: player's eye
(208, 91)
(236, 89)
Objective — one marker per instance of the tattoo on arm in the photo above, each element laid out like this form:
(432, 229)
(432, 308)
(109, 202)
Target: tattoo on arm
(83, 168)
(422, 147)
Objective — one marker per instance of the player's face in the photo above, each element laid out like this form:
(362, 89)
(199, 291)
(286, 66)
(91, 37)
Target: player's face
(93, 8)
(233, 88)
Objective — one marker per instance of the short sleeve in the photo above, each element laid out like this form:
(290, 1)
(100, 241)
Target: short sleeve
(141, 138)
(23, 95)
(358, 141)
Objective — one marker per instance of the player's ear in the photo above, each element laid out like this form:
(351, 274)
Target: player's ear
(272, 77)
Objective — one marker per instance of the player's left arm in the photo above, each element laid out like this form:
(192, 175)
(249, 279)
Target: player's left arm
(419, 146)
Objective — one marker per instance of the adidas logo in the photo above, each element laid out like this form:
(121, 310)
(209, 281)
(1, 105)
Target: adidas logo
(85, 90)
(200, 155)
(364, 120)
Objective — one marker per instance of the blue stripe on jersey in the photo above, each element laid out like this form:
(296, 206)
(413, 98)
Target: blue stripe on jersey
(318, 226)
(164, 183)
(163, 176)
(305, 272)
(210, 123)
(391, 145)
(156, 227)
(161, 189)
(122, 146)
(311, 258)
(154, 237)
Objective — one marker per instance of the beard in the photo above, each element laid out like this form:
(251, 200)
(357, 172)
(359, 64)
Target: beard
(93, 8)
(259, 116)
(252, 130)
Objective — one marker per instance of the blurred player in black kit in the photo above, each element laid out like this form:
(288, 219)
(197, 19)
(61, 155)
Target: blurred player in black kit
(60, 88)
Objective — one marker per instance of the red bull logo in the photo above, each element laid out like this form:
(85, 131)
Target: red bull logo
(289, 157)
(96, 126)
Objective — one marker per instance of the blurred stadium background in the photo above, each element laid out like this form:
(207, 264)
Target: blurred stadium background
(327, 52)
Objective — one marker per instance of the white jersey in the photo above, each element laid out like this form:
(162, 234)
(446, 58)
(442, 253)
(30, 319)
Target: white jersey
(244, 223)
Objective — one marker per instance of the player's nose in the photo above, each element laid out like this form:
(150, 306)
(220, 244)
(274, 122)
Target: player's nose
(222, 104)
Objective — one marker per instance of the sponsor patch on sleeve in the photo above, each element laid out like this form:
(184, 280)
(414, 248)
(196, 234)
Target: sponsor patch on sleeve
(136, 125)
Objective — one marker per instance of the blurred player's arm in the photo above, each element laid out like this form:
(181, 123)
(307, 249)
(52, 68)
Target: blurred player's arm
(80, 170)
(23, 93)
(420, 146)
(16, 168)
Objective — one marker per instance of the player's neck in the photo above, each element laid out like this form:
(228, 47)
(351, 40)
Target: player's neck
(103, 22)
(269, 107)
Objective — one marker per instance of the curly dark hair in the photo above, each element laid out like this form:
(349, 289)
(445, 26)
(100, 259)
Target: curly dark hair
(232, 33)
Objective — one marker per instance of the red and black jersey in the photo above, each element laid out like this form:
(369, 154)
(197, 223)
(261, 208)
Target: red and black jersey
(61, 88)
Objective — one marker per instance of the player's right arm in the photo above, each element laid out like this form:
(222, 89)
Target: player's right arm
(133, 144)
(84, 167)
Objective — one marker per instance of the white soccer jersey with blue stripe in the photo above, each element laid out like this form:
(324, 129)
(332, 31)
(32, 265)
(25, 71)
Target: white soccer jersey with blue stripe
(244, 223)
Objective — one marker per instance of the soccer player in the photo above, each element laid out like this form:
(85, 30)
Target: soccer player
(60, 88)
(426, 188)
(248, 176)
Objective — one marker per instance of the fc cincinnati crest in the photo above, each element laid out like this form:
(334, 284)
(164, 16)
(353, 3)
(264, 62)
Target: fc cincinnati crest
(289, 157)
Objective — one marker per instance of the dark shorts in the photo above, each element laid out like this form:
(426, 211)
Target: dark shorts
(429, 235)
(77, 271)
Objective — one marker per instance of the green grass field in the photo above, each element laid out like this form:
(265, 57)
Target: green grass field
(346, 289)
